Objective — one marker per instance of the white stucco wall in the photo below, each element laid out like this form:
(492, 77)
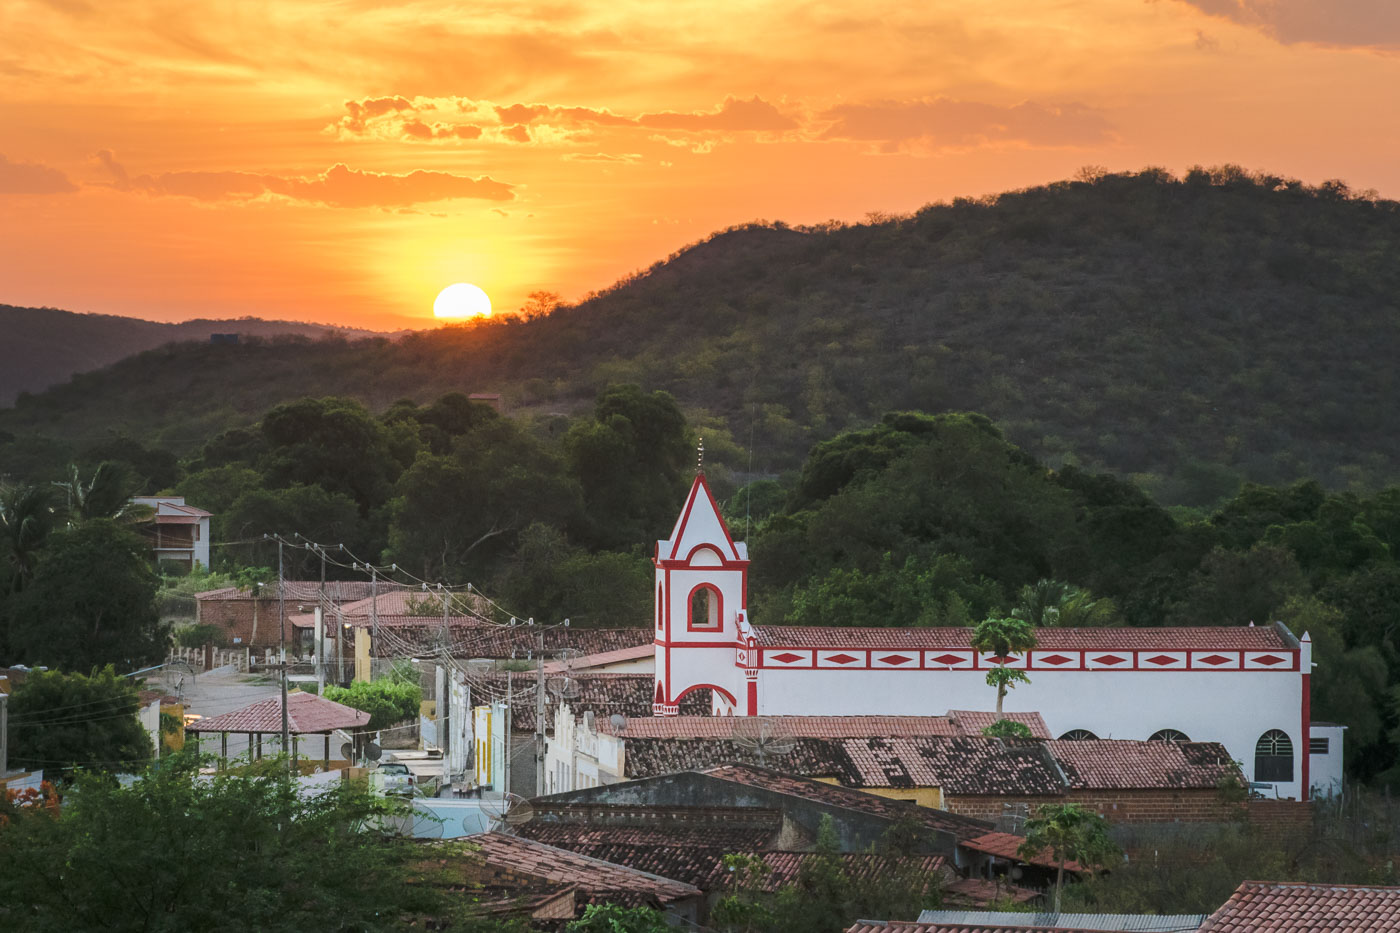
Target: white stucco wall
(1326, 768)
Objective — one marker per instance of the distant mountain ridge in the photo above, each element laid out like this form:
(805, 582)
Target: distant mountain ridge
(42, 347)
(1190, 332)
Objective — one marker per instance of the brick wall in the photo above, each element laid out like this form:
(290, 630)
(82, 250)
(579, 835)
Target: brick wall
(235, 617)
(1123, 806)
(1281, 820)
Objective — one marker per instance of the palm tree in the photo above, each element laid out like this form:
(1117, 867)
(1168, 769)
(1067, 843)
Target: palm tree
(1071, 834)
(107, 494)
(1048, 603)
(25, 519)
(1003, 638)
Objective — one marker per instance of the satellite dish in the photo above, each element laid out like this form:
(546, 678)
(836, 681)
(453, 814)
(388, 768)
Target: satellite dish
(564, 687)
(1015, 873)
(618, 722)
(373, 752)
(345, 750)
(425, 825)
(509, 810)
(763, 737)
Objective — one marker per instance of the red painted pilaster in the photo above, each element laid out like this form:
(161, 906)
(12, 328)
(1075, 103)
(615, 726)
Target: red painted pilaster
(1307, 735)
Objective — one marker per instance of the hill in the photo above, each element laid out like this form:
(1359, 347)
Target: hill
(1191, 332)
(46, 346)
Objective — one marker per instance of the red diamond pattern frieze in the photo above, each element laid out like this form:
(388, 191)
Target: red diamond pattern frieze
(787, 657)
(1054, 659)
(1215, 659)
(842, 658)
(949, 659)
(1267, 659)
(894, 659)
(1001, 659)
(1160, 659)
(1109, 659)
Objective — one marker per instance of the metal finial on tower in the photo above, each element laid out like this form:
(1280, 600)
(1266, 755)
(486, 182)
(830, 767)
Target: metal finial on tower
(700, 456)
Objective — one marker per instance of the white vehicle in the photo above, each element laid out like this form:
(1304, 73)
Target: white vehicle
(393, 778)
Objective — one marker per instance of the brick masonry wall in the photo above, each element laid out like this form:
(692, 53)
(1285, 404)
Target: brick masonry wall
(1124, 806)
(235, 617)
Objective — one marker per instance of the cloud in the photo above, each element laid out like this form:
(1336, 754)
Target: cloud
(941, 123)
(1362, 24)
(602, 157)
(734, 115)
(401, 118)
(32, 178)
(338, 186)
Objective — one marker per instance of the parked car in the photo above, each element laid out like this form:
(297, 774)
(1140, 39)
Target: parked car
(393, 778)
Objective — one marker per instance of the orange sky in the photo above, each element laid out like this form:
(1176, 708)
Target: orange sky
(343, 161)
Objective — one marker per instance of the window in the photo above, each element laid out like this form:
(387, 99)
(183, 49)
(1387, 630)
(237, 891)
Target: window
(1168, 735)
(660, 607)
(1078, 735)
(704, 608)
(1273, 757)
(1319, 747)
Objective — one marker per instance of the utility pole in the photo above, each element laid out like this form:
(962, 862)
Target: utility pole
(4, 735)
(282, 615)
(505, 771)
(321, 626)
(539, 711)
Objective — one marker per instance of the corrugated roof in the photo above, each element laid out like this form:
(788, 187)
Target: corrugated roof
(1118, 923)
(1084, 639)
(895, 926)
(306, 713)
(1287, 907)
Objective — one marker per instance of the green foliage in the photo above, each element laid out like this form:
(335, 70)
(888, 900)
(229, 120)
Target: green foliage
(1002, 638)
(943, 591)
(1052, 603)
(173, 852)
(550, 579)
(90, 602)
(197, 636)
(1068, 833)
(389, 700)
(1008, 729)
(64, 722)
(611, 918)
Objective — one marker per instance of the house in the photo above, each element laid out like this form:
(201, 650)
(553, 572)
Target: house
(253, 616)
(1121, 683)
(1295, 907)
(598, 749)
(179, 533)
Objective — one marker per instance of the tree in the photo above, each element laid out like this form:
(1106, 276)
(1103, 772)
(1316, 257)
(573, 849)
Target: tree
(1008, 729)
(1069, 833)
(63, 722)
(612, 918)
(1054, 603)
(177, 851)
(105, 494)
(1003, 638)
(387, 700)
(333, 443)
(26, 516)
(91, 602)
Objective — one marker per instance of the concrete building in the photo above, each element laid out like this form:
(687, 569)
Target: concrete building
(179, 533)
(1246, 687)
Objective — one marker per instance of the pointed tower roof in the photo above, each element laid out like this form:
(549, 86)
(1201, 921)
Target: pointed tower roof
(700, 525)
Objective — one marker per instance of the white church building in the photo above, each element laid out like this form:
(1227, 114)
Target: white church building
(1245, 687)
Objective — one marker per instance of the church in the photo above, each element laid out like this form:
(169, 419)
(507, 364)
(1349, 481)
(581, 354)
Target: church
(1246, 687)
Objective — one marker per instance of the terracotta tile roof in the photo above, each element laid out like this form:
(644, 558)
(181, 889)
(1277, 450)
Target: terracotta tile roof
(1285, 907)
(414, 635)
(812, 727)
(650, 757)
(603, 694)
(777, 782)
(1006, 845)
(966, 765)
(593, 876)
(306, 713)
(979, 892)
(1086, 639)
(785, 867)
(1126, 764)
(972, 722)
(602, 658)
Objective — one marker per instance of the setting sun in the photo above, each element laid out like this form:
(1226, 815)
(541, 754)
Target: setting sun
(462, 301)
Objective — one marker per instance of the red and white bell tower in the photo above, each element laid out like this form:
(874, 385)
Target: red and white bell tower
(702, 579)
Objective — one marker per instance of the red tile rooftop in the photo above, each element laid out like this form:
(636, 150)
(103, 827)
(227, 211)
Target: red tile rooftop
(1128, 764)
(306, 714)
(1287, 907)
(590, 874)
(818, 727)
(1006, 845)
(980, 892)
(1223, 638)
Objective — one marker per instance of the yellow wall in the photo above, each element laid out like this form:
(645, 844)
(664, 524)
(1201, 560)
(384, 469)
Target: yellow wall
(362, 639)
(931, 797)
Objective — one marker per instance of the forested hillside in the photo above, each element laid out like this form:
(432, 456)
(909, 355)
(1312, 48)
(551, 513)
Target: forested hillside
(1188, 332)
(40, 347)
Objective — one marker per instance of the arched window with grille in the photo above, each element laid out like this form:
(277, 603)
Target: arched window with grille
(1273, 757)
(1168, 735)
(1078, 735)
